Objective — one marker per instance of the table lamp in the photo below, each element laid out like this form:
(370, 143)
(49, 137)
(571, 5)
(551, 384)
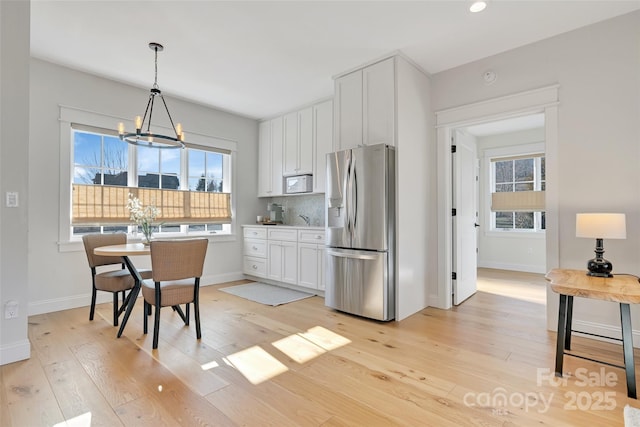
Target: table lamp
(600, 226)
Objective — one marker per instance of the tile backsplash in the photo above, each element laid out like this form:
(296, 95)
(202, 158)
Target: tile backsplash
(311, 205)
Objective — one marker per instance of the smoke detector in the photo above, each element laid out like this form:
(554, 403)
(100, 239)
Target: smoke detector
(489, 77)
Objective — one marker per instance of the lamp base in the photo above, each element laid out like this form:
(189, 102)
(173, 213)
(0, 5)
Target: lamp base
(599, 267)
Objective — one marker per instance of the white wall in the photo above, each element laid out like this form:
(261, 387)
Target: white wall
(14, 167)
(598, 70)
(59, 280)
(506, 250)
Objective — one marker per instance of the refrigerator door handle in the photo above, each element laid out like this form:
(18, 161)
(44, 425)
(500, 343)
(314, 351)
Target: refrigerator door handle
(347, 197)
(354, 196)
(354, 256)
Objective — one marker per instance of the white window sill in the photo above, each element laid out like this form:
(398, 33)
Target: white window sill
(77, 246)
(516, 234)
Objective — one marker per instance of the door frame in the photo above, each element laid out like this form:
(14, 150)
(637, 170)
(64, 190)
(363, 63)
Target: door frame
(542, 100)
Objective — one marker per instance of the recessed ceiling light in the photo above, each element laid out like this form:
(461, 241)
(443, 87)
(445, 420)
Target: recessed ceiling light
(478, 6)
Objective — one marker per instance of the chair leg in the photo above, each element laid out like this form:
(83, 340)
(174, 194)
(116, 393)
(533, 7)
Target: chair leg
(186, 311)
(147, 308)
(93, 303)
(115, 309)
(196, 308)
(156, 326)
(93, 293)
(156, 323)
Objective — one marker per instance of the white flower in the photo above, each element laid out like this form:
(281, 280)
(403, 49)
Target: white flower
(143, 216)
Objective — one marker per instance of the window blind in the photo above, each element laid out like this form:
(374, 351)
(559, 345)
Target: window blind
(106, 204)
(517, 201)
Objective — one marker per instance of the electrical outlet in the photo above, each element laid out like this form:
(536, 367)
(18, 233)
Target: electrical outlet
(11, 310)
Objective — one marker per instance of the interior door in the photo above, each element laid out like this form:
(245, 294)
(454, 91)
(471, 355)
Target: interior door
(465, 222)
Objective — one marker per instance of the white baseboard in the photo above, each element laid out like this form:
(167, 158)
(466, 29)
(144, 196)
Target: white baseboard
(604, 330)
(84, 300)
(513, 267)
(14, 352)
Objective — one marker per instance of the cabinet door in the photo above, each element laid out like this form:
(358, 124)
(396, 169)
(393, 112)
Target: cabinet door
(305, 140)
(348, 111)
(274, 260)
(378, 103)
(308, 265)
(290, 144)
(289, 262)
(276, 156)
(322, 143)
(264, 159)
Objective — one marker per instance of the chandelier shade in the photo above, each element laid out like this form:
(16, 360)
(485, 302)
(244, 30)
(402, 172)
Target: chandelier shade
(143, 134)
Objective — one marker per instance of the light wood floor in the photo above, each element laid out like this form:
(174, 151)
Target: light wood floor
(488, 362)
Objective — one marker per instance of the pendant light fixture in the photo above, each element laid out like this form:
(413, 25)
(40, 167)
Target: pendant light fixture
(143, 134)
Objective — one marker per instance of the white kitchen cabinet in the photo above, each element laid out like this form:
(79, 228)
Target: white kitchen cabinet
(322, 143)
(365, 106)
(285, 255)
(282, 261)
(348, 111)
(270, 145)
(255, 251)
(378, 103)
(298, 142)
(311, 252)
(308, 265)
(282, 254)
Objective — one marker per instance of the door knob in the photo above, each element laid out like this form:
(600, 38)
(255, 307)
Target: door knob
(476, 225)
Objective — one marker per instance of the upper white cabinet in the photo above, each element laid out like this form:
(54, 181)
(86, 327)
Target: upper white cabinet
(270, 140)
(348, 111)
(365, 106)
(298, 142)
(322, 143)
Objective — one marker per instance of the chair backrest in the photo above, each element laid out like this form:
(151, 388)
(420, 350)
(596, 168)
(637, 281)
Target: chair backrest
(92, 241)
(177, 259)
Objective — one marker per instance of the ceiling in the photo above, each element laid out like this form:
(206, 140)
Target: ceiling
(262, 58)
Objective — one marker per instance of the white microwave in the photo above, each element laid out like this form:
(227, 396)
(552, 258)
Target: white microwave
(298, 184)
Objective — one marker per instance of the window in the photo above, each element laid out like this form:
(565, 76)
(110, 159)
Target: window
(191, 187)
(517, 186)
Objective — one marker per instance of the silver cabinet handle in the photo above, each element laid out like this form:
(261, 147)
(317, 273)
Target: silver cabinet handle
(254, 248)
(255, 267)
(318, 237)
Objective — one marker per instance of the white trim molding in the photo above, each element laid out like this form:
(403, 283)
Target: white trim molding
(541, 100)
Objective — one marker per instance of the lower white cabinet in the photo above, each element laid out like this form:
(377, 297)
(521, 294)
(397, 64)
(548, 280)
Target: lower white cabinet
(282, 259)
(285, 254)
(311, 265)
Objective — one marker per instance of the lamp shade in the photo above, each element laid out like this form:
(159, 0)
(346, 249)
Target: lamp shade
(601, 225)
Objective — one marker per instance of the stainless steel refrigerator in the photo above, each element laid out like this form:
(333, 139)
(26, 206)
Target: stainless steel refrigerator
(360, 234)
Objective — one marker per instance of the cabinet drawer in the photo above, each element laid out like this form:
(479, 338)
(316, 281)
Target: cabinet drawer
(255, 266)
(290, 235)
(257, 248)
(255, 232)
(311, 236)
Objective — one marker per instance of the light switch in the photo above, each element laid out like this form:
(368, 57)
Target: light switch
(12, 199)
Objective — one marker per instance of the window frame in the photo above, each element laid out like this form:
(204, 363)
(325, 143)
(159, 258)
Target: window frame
(69, 116)
(536, 149)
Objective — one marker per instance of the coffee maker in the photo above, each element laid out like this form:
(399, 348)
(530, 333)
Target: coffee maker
(276, 212)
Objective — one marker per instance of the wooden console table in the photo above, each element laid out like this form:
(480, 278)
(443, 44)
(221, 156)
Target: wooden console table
(622, 289)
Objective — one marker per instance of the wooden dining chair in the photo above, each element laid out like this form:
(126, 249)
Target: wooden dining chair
(114, 281)
(177, 267)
